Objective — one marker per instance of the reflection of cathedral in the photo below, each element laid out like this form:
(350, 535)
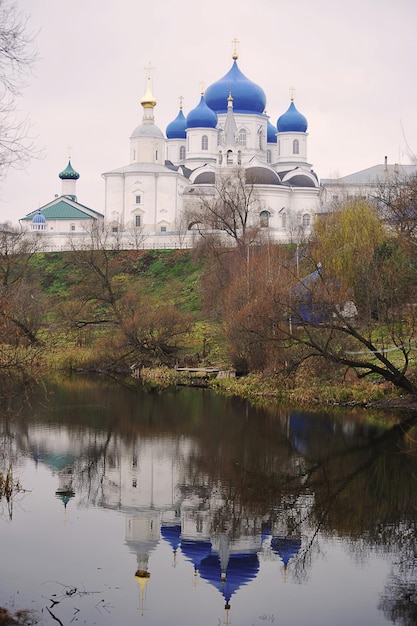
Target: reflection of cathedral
(149, 481)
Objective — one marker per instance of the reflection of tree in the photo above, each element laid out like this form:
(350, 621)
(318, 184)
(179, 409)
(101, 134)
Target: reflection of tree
(399, 600)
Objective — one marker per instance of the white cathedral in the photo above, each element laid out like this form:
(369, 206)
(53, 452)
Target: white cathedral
(228, 128)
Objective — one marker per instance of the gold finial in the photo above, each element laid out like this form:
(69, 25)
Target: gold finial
(69, 148)
(235, 55)
(148, 101)
(235, 42)
(202, 87)
(181, 99)
(292, 92)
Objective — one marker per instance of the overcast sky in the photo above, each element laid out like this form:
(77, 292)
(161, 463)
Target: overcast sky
(352, 64)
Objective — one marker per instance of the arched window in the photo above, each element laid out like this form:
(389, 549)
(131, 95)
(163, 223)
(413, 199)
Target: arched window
(239, 157)
(182, 153)
(242, 137)
(229, 157)
(137, 221)
(306, 220)
(220, 158)
(204, 142)
(268, 156)
(296, 147)
(284, 220)
(260, 138)
(264, 219)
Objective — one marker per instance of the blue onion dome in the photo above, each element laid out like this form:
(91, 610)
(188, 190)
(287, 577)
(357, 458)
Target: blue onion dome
(69, 173)
(247, 96)
(176, 129)
(202, 116)
(38, 218)
(271, 133)
(292, 121)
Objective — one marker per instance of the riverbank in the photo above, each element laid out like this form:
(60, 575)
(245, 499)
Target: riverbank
(304, 391)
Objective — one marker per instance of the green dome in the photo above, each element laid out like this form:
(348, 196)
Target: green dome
(69, 173)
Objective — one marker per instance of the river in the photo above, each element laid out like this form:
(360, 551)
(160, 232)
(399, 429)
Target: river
(185, 507)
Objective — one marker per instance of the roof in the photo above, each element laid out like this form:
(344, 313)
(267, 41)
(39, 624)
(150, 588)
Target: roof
(142, 168)
(372, 175)
(63, 208)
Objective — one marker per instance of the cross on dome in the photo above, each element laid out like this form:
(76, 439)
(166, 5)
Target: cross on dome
(235, 42)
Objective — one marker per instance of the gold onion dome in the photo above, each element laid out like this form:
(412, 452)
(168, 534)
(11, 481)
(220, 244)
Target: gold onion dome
(148, 101)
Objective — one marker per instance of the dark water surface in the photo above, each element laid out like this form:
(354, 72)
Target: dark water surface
(188, 508)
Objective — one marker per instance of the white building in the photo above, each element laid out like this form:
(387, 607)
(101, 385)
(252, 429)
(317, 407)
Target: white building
(365, 184)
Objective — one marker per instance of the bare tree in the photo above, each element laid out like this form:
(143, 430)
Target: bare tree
(396, 198)
(17, 56)
(20, 299)
(229, 207)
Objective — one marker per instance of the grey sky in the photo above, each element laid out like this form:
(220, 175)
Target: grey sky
(352, 65)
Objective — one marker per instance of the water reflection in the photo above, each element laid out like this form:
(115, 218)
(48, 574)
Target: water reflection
(210, 485)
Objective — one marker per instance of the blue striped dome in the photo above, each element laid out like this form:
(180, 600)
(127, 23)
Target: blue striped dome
(38, 218)
(176, 129)
(292, 121)
(271, 132)
(202, 116)
(247, 96)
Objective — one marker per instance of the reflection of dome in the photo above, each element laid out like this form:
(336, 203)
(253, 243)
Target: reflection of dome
(172, 534)
(195, 551)
(261, 176)
(241, 569)
(202, 116)
(292, 121)
(64, 495)
(286, 547)
(176, 129)
(247, 96)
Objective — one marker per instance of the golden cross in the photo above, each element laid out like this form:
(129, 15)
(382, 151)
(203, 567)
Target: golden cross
(69, 148)
(235, 41)
(292, 92)
(149, 69)
(181, 99)
(202, 87)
